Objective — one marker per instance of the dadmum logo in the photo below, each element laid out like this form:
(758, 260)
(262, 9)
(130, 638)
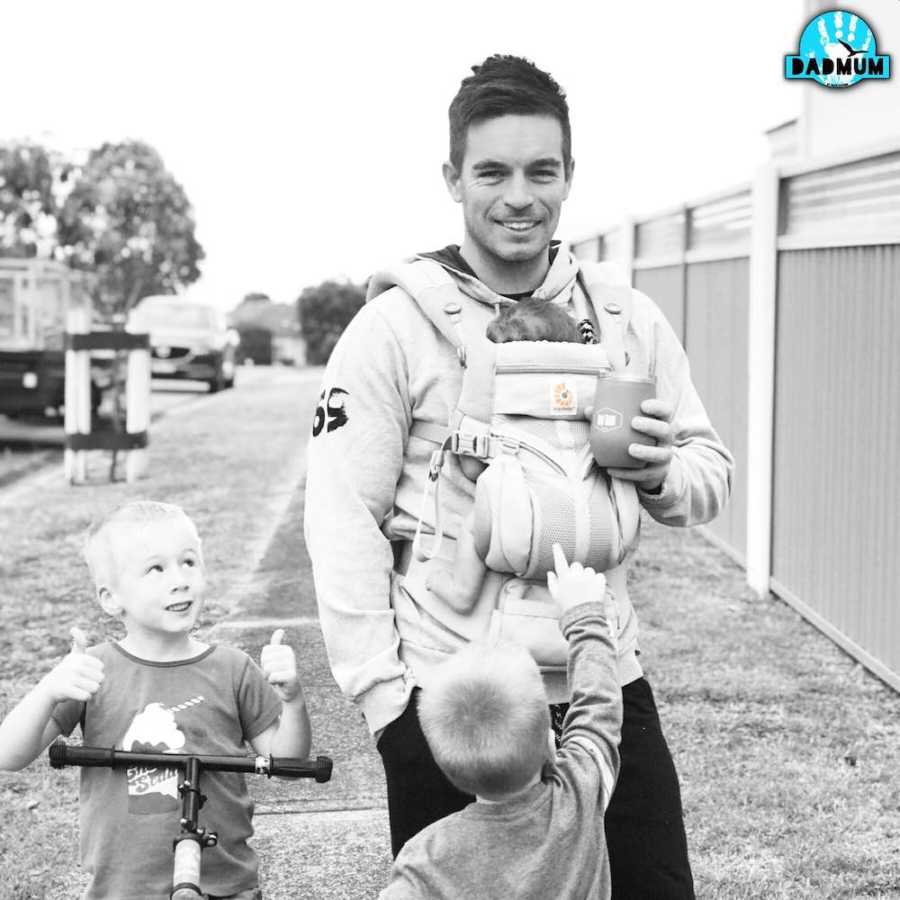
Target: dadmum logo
(837, 49)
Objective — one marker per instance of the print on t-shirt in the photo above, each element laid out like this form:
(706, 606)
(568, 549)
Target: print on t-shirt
(154, 730)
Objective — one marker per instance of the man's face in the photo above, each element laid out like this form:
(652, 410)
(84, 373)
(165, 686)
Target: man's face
(511, 187)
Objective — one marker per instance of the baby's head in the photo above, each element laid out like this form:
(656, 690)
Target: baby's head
(133, 531)
(486, 719)
(533, 320)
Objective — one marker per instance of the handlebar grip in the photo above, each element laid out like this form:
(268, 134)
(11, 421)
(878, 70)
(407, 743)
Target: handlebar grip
(61, 754)
(289, 767)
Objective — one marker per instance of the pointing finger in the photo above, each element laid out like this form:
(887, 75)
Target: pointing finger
(277, 637)
(559, 559)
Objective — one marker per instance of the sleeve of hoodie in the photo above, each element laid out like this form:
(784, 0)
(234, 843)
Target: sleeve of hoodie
(354, 462)
(699, 479)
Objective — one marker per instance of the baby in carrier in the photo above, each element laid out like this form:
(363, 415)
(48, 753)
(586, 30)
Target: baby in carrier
(544, 487)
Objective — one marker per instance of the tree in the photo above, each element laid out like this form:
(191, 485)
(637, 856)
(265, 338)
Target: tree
(129, 221)
(27, 199)
(324, 312)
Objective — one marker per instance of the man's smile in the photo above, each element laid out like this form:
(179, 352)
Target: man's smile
(518, 225)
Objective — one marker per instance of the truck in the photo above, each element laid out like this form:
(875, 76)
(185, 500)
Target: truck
(36, 296)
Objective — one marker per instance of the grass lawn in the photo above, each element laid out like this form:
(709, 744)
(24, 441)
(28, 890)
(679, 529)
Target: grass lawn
(787, 749)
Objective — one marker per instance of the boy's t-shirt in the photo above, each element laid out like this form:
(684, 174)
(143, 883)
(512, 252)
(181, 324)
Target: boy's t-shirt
(210, 705)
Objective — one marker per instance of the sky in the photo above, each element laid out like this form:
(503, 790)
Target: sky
(309, 137)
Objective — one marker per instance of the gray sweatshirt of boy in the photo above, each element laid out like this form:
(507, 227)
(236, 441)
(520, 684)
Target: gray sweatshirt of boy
(548, 842)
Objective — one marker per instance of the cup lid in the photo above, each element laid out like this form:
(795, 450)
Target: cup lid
(618, 376)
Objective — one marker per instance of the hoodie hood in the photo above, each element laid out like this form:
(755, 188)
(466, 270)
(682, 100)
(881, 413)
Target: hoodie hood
(556, 286)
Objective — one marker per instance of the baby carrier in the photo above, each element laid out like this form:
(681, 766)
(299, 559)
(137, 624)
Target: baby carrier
(521, 414)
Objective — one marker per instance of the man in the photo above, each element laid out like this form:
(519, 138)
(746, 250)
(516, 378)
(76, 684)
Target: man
(392, 376)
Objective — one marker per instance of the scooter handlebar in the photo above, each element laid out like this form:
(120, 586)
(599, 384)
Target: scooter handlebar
(62, 754)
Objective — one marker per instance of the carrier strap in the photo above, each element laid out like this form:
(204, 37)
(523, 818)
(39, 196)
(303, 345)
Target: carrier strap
(429, 431)
(610, 295)
(482, 445)
(432, 489)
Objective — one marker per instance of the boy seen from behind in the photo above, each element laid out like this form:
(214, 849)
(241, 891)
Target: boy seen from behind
(537, 822)
(159, 689)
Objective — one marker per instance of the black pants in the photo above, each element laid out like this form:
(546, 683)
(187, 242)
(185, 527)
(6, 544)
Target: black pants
(644, 824)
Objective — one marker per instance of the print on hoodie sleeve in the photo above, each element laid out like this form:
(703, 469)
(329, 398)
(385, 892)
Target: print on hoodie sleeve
(332, 411)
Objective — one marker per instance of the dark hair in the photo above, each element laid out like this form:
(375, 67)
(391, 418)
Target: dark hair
(506, 85)
(532, 320)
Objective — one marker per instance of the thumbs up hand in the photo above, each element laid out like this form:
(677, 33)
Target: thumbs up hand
(79, 640)
(279, 665)
(77, 676)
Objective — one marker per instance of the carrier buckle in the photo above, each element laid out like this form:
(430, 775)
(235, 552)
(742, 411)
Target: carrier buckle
(471, 445)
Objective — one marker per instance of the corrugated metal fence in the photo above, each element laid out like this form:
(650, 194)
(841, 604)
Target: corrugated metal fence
(834, 523)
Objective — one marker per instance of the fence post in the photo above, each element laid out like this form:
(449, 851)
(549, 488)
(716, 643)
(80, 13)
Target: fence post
(137, 409)
(77, 393)
(628, 247)
(761, 376)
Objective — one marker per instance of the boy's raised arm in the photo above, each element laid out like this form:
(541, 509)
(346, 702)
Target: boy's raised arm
(588, 621)
(30, 727)
(291, 735)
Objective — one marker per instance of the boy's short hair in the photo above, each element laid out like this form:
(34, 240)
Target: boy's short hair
(506, 85)
(486, 719)
(98, 550)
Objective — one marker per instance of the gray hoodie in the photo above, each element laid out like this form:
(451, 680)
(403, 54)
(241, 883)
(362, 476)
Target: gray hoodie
(366, 475)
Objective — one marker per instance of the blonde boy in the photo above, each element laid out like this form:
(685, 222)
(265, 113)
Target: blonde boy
(159, 689)
(537, 823)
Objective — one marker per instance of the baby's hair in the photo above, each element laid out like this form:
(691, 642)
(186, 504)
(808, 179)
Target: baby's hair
(533, 320)
(98, 549)
(486, 719)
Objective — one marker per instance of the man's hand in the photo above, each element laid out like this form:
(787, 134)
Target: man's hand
(280, 667)
(572, 585)
(77, 677)
(657, 423)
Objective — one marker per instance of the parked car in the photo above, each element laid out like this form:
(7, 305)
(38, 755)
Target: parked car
(188, 340)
